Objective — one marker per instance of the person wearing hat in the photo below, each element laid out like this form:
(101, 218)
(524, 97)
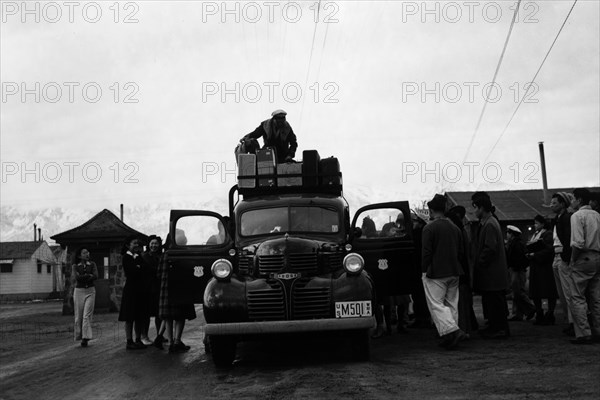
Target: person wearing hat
(517, 265)
(277, 134)
(562, 252)
(540, 253)
(490, 272)
(441, 252)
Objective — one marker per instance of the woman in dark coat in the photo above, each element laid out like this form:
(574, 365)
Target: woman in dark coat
(134, 306)
(540, 253)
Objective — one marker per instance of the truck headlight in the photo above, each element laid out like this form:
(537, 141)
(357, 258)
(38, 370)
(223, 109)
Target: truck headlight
(221, 269)
(353, 263)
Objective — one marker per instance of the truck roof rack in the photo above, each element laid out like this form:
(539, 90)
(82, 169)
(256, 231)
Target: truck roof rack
(260, 175)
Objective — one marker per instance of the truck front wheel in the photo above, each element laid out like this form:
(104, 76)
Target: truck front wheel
(223, 350)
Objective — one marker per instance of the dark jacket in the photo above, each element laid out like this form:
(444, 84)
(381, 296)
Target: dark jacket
(515, 255)
(285, 143)
(490, 272)
(150, 273)
(134, 304)
(563, 230)
(541, 275)
(133, 267)
(442, 249)
(84, 274)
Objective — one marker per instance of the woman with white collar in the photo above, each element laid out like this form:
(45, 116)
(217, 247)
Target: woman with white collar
(83, 274)
(134, 307)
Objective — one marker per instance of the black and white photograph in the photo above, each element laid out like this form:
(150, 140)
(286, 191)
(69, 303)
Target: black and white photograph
(310, 199)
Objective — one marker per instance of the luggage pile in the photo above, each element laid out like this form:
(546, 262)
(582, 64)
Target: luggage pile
(261, 174)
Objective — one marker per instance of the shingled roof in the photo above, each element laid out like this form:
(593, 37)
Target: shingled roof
(18, 250)
(512, 205)
(104, 226)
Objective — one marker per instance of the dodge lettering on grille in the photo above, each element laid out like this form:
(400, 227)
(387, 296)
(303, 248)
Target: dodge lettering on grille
(287, 275)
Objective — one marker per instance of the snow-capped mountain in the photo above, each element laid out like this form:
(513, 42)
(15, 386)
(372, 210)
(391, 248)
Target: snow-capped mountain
(16, 224)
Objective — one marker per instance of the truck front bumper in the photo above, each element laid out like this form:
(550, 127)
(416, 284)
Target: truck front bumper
(300, 326)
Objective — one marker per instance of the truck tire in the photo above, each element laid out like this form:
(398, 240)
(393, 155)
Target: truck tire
(223, 350)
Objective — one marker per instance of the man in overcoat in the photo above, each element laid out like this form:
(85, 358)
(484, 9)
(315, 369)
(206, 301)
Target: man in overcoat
(490, 271)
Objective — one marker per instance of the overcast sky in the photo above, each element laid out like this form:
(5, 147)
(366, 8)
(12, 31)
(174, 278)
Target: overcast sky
(144, 102)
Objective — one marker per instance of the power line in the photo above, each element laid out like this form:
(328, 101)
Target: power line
(531, 83)
(322, 52)
(312, 47)
(512, 23)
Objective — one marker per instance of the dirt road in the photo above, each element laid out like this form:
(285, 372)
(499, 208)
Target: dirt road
(39, 360)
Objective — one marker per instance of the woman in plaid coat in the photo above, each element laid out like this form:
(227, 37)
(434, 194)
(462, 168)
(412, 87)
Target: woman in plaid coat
(173, 315)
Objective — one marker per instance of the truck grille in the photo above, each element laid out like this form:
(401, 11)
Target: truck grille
(310, 302)
(270, 264)
(334, 261)
(302, 262)
(305, 263)
(266, 304)
(244, 264)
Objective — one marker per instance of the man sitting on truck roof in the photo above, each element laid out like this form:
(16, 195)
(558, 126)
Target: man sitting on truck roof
(277, 134)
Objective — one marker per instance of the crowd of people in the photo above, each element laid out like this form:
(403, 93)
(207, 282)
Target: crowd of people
(145, 296)
(559, 261)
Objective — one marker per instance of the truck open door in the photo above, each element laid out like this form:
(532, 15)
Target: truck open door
(196, 240)
(387, 245)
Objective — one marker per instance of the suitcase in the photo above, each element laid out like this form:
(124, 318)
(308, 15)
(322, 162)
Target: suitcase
(310, 167)
(286, 169)
(247, 166)
(265, 158)
(329, 170)
(265, 162)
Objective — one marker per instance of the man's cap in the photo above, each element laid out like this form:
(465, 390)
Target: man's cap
(565, 197)
(513, 229)
(278, 112)
(438, 203)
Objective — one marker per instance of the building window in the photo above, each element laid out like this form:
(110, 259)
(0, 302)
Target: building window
(49, 268)
(39, 265)
(6, 268)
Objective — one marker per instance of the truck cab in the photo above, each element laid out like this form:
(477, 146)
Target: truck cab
(287, 260)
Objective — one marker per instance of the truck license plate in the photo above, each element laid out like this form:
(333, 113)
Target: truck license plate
(350, 309)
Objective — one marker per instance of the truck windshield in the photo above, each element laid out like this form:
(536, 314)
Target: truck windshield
(289, 219)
